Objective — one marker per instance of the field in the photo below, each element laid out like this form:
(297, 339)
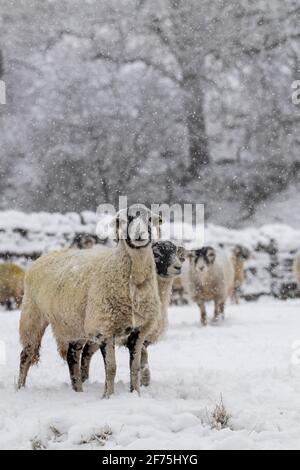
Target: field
(247, 366)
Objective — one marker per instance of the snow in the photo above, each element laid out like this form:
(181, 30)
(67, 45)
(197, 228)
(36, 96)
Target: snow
(250, 361)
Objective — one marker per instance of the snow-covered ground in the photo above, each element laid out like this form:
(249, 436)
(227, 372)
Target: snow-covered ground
(249, 361)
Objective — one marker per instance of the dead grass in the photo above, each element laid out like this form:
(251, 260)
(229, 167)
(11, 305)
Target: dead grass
(98, 437)
(37, 444)
(220, 417)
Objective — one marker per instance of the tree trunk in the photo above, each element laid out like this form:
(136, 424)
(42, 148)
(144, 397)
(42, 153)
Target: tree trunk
(199, 144)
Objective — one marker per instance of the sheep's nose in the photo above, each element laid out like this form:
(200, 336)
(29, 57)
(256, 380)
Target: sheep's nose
(178, 268)
(141, 236)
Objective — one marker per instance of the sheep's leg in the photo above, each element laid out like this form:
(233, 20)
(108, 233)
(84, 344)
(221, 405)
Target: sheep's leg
(203, 314)
(88, 351)
(73, 359)
(9, 305)
(108, 352)
(217, 312)
(222, 310)
(145, 370)
(135, 345)
(235, 296)
(29, 356)
(32, 329)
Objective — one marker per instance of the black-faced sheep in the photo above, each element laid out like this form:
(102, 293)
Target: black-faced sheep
(240, 255)
(84, 241)
(209, 277)
(11, 285)
(95, 295)
(169, 260)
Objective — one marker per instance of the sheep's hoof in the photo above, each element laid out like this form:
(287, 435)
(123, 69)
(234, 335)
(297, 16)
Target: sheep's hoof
(146, 378)
(204, 323)
(84, 377)
(107, 394)
(215, 321)
(77, 387)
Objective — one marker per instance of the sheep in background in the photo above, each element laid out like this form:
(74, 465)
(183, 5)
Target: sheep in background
(95, 295)
(84, 241)
(179, 294)
(240, 255)
(11, 285)
(297, 269)
(169, 260)
(209, 277)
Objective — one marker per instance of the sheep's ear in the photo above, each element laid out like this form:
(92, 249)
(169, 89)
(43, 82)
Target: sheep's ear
(191, 254)
(156, 219)
(156, 250)
(211, 255)
(182, 253)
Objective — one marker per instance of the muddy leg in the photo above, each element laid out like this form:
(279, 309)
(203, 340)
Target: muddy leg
(203, 314)
(73, 358)
(222, 310)
(29, 356)
(108, 352)
(145, 371)
(31, 339)
(135, 345)
(88, 351)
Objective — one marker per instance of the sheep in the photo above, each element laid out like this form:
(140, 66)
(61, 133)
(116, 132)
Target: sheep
(169, 260)
(209, 277)
(297, 269)
(94, 295)
(179, 294)
(11, 285)
(84, 241)
(240, 255)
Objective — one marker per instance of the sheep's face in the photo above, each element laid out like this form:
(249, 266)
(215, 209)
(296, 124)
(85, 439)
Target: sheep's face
(136, 226)
(169, 259)
(84, 242)
(203, 259)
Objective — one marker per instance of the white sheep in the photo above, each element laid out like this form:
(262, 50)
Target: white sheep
(209, 276)
(240, 255)
(94, 295)
(169, 260)
(11, 285)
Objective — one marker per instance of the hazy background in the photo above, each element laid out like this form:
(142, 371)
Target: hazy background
(160, 100)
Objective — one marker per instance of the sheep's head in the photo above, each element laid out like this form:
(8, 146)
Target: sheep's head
(241, 252)
(203, 259)
(84, 241)
(169, 259)
(136, 226)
